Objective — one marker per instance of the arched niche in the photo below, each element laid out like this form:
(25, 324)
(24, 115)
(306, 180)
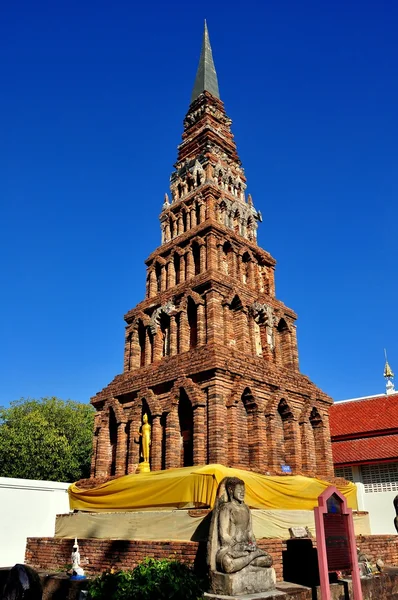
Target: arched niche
(112, 429)
(192, 314)
(185, 419)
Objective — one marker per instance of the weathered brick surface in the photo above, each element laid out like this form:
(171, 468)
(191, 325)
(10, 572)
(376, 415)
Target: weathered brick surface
(211, 353)
(54, 553)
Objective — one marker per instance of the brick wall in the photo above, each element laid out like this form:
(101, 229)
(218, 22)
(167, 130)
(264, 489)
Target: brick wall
(54, 553)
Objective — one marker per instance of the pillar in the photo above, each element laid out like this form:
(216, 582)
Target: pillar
(214, 317)
(102, 462)
(201, 325)
(163, 277)
(193, 216)
(211, 251)
(182, 268)
(157, 345)
(121, 450)
(135, 350)
(180, 226)
(189, 269)
(272, 458)
(201, 212)
(184, 332)
(216, 423)
(148, 347)
(171, 274)
(173, 440)
(134, 446)
(151, 284)
(202, 253)
(233, 436)
(156, 444)
(173, 335)
(199, 450)
(94, 452)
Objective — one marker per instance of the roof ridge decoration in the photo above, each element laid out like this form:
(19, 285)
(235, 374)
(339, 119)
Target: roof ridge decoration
(206, 76)
(388, 374)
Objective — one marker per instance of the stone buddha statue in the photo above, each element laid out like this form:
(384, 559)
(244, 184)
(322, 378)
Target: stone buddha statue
(237, 565)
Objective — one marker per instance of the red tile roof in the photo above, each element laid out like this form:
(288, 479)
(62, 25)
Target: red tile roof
(382, 447)
(378, 413)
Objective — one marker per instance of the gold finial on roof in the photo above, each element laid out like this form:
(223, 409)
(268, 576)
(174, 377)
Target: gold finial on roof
(387, 369)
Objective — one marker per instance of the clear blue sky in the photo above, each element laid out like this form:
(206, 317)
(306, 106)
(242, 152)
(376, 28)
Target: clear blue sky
(93, 95)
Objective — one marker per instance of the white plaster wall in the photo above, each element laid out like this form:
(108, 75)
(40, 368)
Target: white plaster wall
(27, 509)
(380, 508)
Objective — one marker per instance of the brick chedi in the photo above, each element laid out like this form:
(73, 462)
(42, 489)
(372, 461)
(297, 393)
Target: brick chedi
(211, 354)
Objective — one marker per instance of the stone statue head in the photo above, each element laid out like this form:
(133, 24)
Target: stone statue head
(145, 418)
(235, 488)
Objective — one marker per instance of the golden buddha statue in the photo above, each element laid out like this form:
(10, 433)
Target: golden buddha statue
(144, 467)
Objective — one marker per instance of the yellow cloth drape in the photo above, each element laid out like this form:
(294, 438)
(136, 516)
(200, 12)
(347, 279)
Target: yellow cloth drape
(197, 486)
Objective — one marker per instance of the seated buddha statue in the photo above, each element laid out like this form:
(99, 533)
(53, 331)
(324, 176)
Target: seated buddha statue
(232, 548)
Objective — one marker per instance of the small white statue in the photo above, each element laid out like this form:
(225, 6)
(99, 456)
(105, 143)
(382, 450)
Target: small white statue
(75, 556)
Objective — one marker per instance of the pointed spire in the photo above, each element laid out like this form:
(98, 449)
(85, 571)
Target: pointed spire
(388, 374)
(206, 76)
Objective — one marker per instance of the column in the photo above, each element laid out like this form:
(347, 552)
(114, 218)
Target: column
(182, 268)
(173, 335)
(295, 445)
(151, 284)
(121, 450)
(233, 437)
(134, 446)
(171, 274)
(202, 212)
(272, 458)
(193, 216)
(201, 325)
(156, 444)
(257, 435)
(148, 348)
(94, 452)
(217, 432)
(214, 317)
(190, 269)
(102, 462)
(173, 440)
(199, 450)
(157, 345)
(135, 350)
(202, 253)
(211, 251)
(227, 329)
(167, 231)
(184, 332)
(163, 277)
(180, 226)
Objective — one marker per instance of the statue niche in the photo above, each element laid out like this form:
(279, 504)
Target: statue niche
(236, 564)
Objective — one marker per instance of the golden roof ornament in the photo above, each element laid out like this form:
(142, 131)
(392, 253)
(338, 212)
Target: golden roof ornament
(388, 374)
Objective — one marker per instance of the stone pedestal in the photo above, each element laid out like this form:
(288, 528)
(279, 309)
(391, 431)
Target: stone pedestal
(247, 581)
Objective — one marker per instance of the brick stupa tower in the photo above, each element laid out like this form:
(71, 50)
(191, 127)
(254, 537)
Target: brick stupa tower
(211, 354)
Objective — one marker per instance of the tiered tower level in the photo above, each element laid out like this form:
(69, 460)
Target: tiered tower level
(211, 354)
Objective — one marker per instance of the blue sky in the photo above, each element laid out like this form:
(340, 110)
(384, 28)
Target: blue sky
(92, 103)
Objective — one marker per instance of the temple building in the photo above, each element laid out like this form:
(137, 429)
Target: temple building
(210, 353)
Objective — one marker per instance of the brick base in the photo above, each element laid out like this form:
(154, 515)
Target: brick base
(54, 553)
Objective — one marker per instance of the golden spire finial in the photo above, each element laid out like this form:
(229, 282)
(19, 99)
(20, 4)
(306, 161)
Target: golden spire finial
(387, 369)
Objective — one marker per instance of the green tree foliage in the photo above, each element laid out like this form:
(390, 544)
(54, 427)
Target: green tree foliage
(48, 439)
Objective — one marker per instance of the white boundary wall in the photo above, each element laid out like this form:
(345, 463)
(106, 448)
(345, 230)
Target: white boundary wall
(27, 509)
(379, 505)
